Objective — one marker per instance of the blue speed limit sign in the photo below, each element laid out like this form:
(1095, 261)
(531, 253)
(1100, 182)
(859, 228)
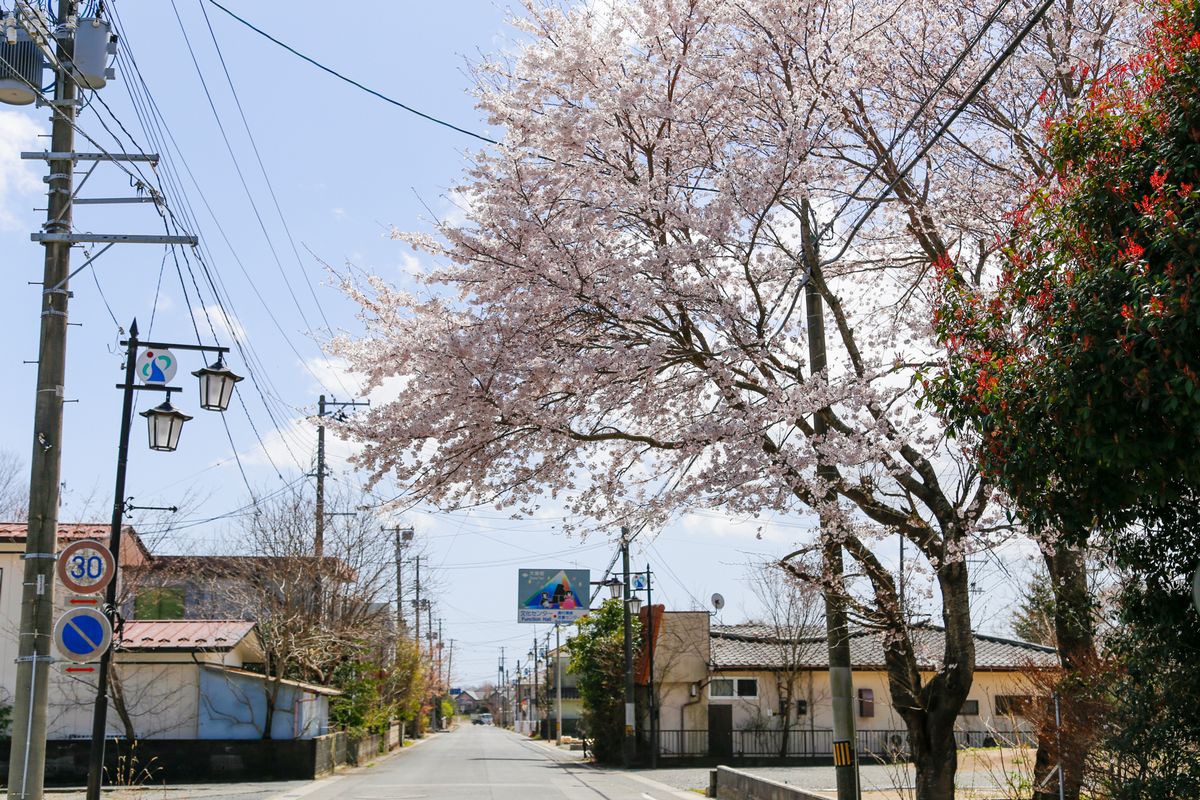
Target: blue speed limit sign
(82, 634)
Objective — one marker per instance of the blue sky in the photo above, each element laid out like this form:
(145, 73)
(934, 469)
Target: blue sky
(345, 167)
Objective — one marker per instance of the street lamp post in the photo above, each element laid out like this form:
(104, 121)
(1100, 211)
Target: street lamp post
(164, 424)
(635, 605)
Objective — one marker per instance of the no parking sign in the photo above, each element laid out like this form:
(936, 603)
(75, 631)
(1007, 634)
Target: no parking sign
(82, 634)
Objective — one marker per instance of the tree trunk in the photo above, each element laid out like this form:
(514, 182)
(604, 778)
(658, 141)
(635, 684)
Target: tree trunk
(929, 708)
(117, 692)
(1069, 741)
(272, 695)
(785, 714)
(935, 758)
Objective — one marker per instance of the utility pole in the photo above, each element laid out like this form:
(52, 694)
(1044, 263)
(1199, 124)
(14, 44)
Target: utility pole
(517, 707)
(500, 688)
(837, 625)
(403, 537)
(417, 605)
(323, 406)
(535, 708)
(27, 757)
(628, 743)
(557, 684)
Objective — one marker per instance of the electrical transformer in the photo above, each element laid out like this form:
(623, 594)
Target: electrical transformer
(94, 43)
(21, 65)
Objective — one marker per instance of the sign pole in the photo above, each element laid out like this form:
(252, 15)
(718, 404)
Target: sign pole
(100, 711)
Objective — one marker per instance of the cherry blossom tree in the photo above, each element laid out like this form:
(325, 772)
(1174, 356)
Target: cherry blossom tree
(619, 324)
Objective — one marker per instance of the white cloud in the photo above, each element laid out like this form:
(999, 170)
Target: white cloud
(226, 325)
(410, 265)
(18, 178)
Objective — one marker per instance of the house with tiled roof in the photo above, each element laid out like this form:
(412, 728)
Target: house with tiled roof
(719, 688)
(174, 678)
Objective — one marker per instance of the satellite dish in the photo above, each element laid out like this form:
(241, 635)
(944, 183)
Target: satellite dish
(718, 602)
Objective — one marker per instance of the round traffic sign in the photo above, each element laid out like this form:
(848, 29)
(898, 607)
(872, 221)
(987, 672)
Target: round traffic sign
(156, 366)
(86, 567)
(82, 634)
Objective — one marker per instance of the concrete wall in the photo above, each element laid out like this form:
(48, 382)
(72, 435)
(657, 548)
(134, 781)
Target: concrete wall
(176, 761)
(234, 706)
(731, 784)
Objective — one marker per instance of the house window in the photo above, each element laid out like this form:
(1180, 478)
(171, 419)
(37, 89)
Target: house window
(801, 708)
(866, 702)
(744, 688)
(1013, 704)
(159, 603)
(970, 708)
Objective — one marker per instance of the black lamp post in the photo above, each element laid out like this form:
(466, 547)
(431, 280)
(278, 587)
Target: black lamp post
(164, 424)
(635, 606)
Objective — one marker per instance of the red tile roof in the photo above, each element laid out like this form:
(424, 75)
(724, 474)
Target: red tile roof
(133, 550)
(184, 634)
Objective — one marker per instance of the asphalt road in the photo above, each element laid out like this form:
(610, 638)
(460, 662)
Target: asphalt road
(483, 763)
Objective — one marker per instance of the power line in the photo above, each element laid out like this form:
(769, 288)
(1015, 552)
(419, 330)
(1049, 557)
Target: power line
(916, 115)
(959, 107)
(152, 120)
(353, 82)
(266, 178)
(245, 185)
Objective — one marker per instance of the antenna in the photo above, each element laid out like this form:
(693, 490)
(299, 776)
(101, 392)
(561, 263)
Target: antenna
(718, 602)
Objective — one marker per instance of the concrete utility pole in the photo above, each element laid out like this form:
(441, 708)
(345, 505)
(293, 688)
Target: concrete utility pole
(629, 742)
(417, 604)
(323, 406)
(501, 688)
(837, 624)
(557, 684)
(403, 537)
(27, 758)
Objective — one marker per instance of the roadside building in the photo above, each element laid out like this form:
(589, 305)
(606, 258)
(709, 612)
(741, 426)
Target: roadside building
(721, 689)
(177, 673)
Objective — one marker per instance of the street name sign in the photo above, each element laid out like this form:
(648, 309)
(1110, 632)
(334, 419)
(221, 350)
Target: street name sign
(82, 634)
(86, 567)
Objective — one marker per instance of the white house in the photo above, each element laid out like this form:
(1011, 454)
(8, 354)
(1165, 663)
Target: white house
(720, 688)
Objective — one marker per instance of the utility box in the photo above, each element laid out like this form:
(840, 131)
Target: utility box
(21, 65)
(94, 43)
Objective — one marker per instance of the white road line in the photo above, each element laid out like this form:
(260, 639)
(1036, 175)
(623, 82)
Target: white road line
(301, 791)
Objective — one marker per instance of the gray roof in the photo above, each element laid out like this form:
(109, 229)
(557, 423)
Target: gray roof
(737, 647)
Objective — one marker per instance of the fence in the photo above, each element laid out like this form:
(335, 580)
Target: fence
(762, 743)
(770, 743)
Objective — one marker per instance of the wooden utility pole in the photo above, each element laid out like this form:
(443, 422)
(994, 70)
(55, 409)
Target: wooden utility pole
(837, 624)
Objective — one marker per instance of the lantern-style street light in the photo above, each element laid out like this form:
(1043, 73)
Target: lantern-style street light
(216, 385)
(165, 425)
(155, 365)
